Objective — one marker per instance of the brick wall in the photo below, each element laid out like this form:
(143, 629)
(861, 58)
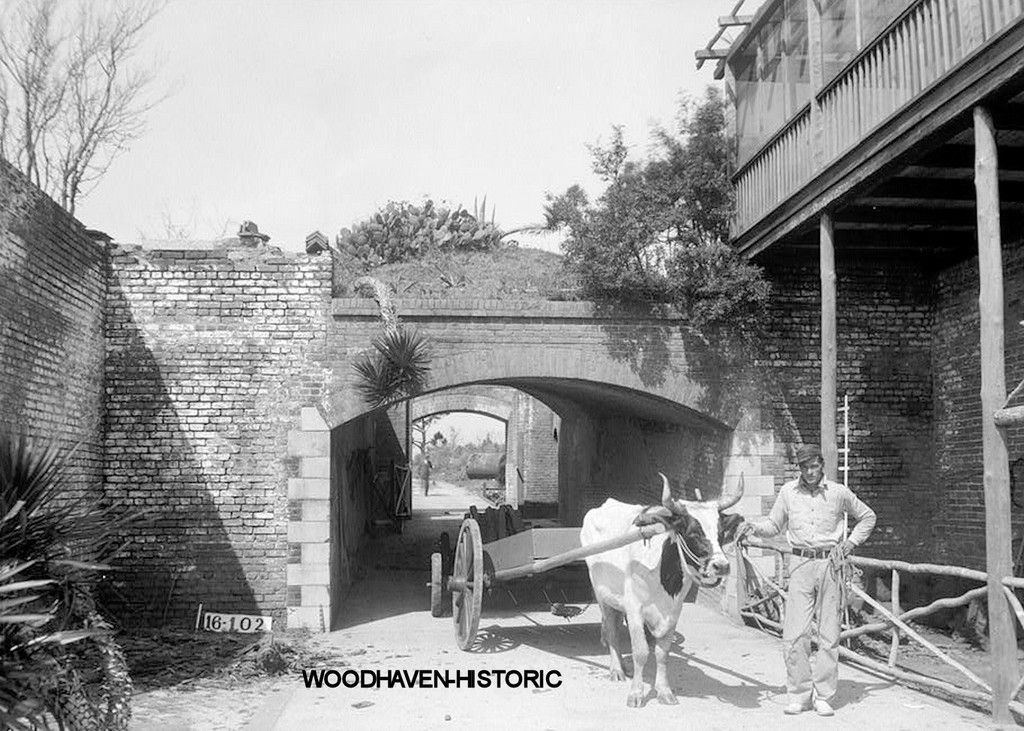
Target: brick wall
(884, 313)
(539, 459)
(959, 526)
(52, 288)
(214, 360)
(211, 356)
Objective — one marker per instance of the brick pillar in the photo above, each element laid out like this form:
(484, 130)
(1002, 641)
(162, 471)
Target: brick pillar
(309, 513)
(746, 450)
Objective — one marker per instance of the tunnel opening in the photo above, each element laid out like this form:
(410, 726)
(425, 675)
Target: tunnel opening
(569, 444)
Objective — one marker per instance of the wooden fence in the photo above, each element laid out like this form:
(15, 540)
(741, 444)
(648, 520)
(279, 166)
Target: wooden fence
(759, 602)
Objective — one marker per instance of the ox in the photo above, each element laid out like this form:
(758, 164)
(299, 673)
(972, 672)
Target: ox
(646, 581)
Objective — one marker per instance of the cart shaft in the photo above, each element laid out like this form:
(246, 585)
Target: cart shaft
(546, 564)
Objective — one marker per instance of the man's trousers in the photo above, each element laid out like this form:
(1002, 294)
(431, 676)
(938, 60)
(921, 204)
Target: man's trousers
(813, 590)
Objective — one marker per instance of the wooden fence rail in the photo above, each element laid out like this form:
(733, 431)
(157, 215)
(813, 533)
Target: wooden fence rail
(895, 621)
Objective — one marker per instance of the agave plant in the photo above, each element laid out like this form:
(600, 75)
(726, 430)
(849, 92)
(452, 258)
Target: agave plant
(58, 660)
(398, 367)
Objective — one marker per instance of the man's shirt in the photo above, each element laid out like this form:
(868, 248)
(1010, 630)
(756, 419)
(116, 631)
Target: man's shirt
(814, 518)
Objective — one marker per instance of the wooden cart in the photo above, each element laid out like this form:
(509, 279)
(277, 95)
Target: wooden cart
(478, 567)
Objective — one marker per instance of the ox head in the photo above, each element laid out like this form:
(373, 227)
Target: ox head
(700, 529)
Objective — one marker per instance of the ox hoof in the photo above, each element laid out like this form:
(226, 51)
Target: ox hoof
(616, 675)
(668, 698)
(634, 700)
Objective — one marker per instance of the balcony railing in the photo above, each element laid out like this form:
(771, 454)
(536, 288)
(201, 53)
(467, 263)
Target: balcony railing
(782, 167)
(916, 51)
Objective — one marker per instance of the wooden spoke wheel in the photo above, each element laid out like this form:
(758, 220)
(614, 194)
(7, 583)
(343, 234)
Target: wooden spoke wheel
(467, 583)
(436, 585)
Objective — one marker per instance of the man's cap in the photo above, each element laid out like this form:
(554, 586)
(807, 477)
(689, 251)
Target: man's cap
(807, 452)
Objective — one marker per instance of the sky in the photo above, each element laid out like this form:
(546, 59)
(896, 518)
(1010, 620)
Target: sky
(306, 115)
(469, 428)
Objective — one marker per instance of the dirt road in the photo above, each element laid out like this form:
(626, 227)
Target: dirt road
(726, 676)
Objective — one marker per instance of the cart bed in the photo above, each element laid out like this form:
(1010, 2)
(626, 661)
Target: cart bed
(527, 546)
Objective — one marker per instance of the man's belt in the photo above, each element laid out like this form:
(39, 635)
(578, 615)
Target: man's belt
(812, 552)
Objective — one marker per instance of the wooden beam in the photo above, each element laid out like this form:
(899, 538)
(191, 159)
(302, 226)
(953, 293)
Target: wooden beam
(827, 264)
(714, 39)
(725, 21)
(957, 174)
(996, 479)
(926, 204)
(944, 189)
(962, 156)
(710, 54)
(911, 216)
(902, 227)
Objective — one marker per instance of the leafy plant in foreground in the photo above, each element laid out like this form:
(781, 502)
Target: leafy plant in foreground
(58, 660)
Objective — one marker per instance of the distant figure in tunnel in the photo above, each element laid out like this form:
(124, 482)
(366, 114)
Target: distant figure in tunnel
(810, 509)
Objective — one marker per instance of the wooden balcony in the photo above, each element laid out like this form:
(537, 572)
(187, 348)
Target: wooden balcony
(895, 99)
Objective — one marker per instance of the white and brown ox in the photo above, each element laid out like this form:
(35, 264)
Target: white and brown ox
(647, 581)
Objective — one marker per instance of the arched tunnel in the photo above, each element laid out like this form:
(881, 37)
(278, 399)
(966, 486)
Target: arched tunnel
(603, 440)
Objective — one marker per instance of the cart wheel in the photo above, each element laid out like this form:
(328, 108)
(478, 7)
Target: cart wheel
(436, 586)
(467, 583)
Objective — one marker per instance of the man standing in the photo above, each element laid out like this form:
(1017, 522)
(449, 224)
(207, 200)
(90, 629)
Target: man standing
(810, 509)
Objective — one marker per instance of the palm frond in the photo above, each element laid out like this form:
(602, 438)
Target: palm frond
(398, 368)
(54, 537)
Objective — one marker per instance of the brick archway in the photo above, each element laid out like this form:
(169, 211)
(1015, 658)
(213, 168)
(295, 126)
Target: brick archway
(472, 399)
(516, 365)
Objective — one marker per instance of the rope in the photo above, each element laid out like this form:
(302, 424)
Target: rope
(645, 517)
(840, 569)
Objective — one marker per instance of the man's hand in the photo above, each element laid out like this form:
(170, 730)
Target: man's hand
(847, 548)
(745, 530)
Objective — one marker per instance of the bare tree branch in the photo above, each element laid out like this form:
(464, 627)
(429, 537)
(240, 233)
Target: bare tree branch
(73, 94)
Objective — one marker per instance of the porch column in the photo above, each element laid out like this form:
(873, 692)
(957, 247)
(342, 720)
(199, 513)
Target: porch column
(1002, 637)
(827, 267)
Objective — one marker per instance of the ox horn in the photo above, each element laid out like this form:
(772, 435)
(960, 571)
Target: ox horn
(728, 499)
(666, 492)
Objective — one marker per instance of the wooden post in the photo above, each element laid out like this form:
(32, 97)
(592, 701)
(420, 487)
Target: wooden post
(897, 611)
(827, 263)
(1002, 637)
(407, 494)
(816, 71)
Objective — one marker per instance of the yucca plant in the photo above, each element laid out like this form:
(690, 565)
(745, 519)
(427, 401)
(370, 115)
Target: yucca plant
(398, 367)
(28, 672)
(58, 660)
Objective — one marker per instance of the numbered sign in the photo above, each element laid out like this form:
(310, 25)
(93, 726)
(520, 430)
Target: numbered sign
(245, 623)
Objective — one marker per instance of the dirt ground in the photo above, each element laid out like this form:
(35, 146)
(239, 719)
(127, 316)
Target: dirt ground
(726, 676)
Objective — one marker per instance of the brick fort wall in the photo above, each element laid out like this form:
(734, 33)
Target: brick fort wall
(210, 357)
(52, 290)
(960, 524)
(884, 340)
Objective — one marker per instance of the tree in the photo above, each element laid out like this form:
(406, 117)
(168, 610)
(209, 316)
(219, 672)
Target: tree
(72, 93)
(659, 231)
(422, 442)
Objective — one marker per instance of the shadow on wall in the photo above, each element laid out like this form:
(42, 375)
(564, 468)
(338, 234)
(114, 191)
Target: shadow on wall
(642, 344)
(186, 554)
(51, 315)
(362, 450)
(723, 365)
